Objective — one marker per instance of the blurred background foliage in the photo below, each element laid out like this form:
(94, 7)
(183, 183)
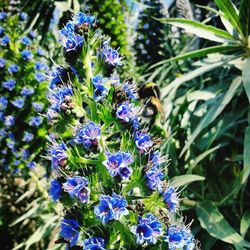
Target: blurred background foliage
(197, 52)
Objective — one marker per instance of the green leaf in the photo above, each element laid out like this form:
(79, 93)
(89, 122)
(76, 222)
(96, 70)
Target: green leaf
(244, 17)
(201, 30)
(246, 156)
(245, 223)
(215, 224)
(214, 112)
(246, 78)
(183, 180)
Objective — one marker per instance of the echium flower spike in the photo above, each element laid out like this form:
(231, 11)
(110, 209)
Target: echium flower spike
(110, 175)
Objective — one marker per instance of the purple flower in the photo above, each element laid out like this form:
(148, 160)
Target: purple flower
(9, 120)
(3, 103)
(100, 90)
(171, 198)
(9, 84)
(2, 63)
(111, 208)
(13, 68)
(26, 91)
(117, 164)
(26, 54)
(70, 231)
(94, 244)
(154, 178)
(143, 142)
(25, 41)
(55, 190)
(37, 106)
(23, 16)
(5, 41)
(88, 135)
(179, 238)
(28, 137)
(18, 103)
(110, 55)
(77, 186)
(148, 229)
(58, 154)
(35, 121)
(40, 77)
(3, 15)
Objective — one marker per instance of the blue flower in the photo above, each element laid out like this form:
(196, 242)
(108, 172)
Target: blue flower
(23, 16)
(27, 91)
(38, 106)
(9, 84)
(57, 76)
(148, 229)
(111, 208)
(31, 164)
(9, 120)
(3, 15)
(130, 90)
(26, 54)
(2, 116)
(25, 153)
(25, 41)
(154, 178)
(5, 40)
(40, 77)
(88, 135)
(77, 186)
(117, 164)
(110, 55)
(41, 66)
(58, 154)
(3, 103)
(171, 198)
(1, 30)
(55, 190)
(2, 63)
(94, 244)
(40, 52)
(32, 33)
(11, 143)
(28, 137)
(82, 20)
(16, 163)
(100, 90)
(2, 133)
(179, 238)
(13, 68)
(127, 112)
(143, 142)
(18, 103)
(70, 231)
(35, 121)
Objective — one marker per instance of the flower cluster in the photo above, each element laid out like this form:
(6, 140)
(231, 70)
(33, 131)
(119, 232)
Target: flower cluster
(108, 166)
(22, 87)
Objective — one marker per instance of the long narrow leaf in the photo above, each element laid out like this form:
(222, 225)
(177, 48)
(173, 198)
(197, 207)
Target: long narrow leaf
(201, 30)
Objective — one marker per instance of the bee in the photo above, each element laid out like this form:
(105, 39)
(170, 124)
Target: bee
(151, 96)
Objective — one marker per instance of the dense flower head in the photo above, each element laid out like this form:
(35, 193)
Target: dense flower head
(94, 244)
(55, 190)
(180, 238)
(118, 164)
(170, 196)
(111, 208)
(143, 142)
(100, 91)
(13, 68)
(70, 231)
(148, 229)
(9, 84)
(5, 40)
(58, 154)
(77, 186)
(88, 135)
